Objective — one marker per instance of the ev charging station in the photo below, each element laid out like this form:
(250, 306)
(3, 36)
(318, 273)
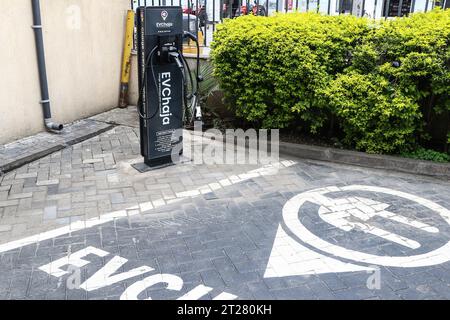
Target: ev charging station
(164, 103)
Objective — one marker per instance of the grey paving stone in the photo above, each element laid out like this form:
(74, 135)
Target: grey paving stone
(72, 240)
(28, 251)
(419, 293)
(191, 279)
(260, 291)
(294, 293)
(442, 289)
(212, 278)
(5, 228)
(19, 284)
(115, 290)
(222, 239)
(333, 281)
(276, 283)
(195, 266)
(438, 272)
(361, 293)
(320, 290)
(208, 254)
(36, 288)
(9, 203)
(358, 279)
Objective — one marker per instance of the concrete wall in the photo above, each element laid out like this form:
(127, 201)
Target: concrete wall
(83, 43)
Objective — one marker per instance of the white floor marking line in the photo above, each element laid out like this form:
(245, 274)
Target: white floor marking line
(225, 297)
(80, 225)
(291, 214)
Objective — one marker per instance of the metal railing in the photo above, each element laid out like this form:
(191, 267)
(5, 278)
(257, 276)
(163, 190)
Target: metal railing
(202, 16)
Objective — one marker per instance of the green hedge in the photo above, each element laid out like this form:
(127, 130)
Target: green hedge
(379, 84)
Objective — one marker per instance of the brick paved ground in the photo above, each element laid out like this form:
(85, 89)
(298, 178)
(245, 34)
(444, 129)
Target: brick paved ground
(17, 153)
(215, 228)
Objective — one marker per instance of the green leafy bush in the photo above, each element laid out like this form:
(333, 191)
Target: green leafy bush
(271, 68)
(383, 86)
(427, 154)
(375, 117)
(413, 54)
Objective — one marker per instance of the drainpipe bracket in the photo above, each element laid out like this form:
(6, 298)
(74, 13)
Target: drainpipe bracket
(44, 101)
(36, 26)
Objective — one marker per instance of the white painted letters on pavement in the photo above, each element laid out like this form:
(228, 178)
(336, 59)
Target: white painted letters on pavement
(132, 292)
(75, 259)
(106, 276)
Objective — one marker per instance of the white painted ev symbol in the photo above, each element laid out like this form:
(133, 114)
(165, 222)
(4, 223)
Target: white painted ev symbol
(289, 257)
(354, 213)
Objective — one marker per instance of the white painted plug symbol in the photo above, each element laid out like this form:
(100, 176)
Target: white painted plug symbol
(355, 212)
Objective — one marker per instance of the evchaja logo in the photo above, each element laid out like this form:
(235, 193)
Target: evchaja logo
(164, 24)
(166, 97)
(164, 15)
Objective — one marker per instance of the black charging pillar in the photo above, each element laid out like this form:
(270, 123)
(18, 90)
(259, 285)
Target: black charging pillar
(160, 45)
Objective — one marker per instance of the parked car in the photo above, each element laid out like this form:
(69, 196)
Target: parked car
(190, 23)
(194, 26)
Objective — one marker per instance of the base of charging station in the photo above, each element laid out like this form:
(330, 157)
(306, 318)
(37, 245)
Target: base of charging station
(142, 167)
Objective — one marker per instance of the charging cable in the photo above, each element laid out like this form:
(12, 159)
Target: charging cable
(195, 106)
(174, 54)
(148, 61)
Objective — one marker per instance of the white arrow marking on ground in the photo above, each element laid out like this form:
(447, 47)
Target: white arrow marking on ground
(353, 213)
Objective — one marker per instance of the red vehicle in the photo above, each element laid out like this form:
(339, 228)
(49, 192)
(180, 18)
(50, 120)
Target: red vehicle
(254, 9)
(202, 14)
(190, 9)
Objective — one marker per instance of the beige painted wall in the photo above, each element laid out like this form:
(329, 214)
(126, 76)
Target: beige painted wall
(83, 61)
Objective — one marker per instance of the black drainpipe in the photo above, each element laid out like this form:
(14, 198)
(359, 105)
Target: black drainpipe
(37, 27)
